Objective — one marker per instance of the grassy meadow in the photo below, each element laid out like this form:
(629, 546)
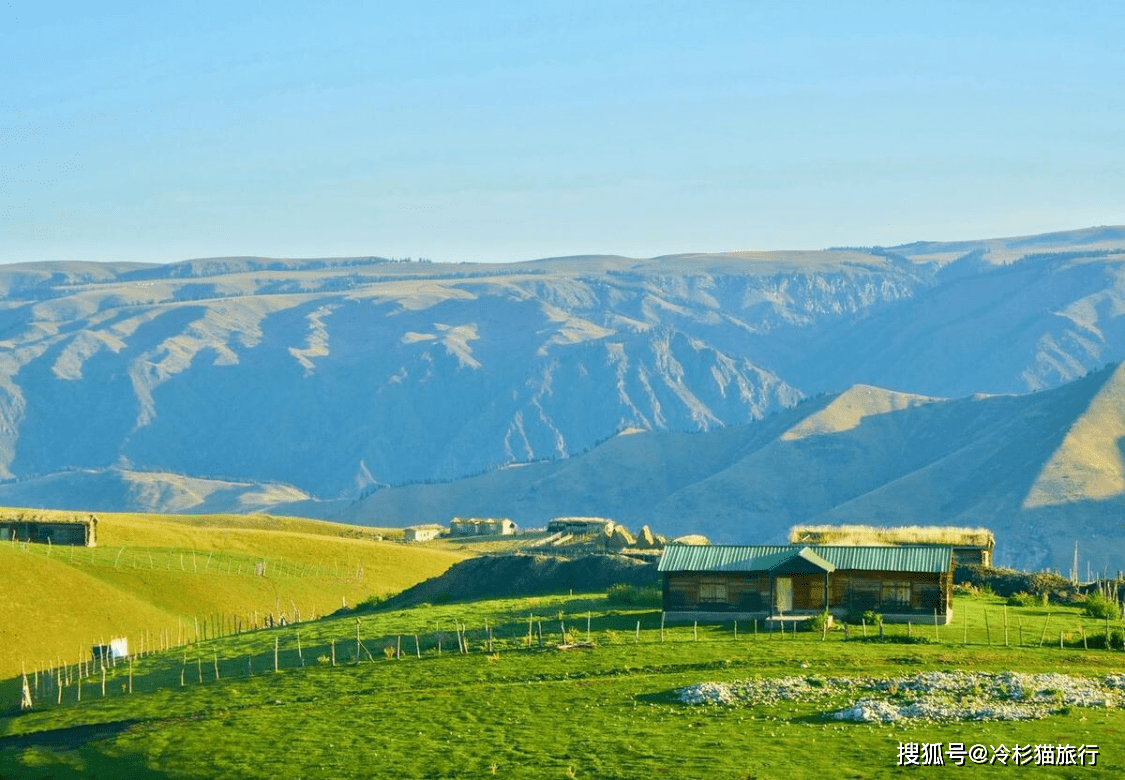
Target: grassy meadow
(159, 577)
(395, 705)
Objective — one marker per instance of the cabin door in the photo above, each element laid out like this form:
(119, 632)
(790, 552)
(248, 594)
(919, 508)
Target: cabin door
(783, 587)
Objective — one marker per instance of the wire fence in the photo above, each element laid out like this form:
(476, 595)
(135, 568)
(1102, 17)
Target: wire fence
(192, 561)
(222, 647)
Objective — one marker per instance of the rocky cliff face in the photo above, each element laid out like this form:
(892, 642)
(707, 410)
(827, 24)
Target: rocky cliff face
(246, 383)
(336, 377)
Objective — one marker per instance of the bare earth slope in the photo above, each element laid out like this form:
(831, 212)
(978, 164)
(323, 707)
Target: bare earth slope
(1042, 470)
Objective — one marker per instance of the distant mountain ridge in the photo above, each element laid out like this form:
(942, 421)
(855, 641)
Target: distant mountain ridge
(241, 384)
(1042, 470)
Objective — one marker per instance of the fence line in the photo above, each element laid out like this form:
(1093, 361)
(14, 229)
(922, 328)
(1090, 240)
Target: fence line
(59, 682)
(191, 561)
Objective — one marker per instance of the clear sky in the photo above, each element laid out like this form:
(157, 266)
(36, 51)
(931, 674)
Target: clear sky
(476, 131)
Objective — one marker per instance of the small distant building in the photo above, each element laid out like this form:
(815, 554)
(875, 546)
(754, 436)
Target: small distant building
(117, 648)
(971, 546)
(422, 533)
(581, 525)
(43, 526)
(481, 526)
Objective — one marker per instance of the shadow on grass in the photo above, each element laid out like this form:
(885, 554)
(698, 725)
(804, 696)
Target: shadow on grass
(660, 697)
(75, 751)
(70, 737)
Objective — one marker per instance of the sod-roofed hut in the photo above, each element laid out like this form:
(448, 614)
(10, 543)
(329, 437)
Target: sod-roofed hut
(580, 525)
(45, 526)
(722, 582)
(971, 546)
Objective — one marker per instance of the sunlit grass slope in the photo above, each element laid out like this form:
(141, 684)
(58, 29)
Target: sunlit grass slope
(218, 709)
(162, 573)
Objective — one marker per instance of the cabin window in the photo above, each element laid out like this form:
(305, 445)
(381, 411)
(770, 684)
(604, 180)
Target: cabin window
(927, 595)
(865, 594)
(713, 591)
(896, 592)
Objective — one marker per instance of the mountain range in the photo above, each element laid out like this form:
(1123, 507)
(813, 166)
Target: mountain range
(731, 394)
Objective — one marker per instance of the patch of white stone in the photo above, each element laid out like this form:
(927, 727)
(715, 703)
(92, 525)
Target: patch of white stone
(929, 696)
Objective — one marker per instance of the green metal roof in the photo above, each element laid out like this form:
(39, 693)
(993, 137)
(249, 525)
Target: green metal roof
(925, 559)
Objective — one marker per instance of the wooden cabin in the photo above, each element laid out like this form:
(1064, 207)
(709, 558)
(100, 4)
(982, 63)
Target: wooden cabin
(723, 582)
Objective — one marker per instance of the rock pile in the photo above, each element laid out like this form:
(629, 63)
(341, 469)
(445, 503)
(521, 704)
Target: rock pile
(929, 696)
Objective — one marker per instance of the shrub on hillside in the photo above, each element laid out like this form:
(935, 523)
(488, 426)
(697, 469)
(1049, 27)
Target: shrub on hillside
(1006, 582)
(634, 596)
(1098, 606)
(1027, 600)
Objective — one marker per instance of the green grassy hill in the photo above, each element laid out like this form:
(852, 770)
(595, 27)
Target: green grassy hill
(513, 707)
(161, 576)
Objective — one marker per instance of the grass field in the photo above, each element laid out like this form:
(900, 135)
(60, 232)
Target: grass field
(511, 710)
(156, 576)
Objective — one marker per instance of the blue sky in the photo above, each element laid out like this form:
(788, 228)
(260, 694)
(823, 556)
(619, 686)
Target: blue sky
(479, 131)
